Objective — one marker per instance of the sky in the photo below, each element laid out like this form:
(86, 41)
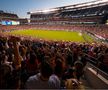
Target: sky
(21, 7)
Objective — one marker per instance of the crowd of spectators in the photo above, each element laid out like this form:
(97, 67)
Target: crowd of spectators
(40, 64)
(100, 30)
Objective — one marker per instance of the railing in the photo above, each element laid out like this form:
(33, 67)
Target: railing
(98, 71)
(96, 78)
(93, 63)
(97, 38)
(91, 59)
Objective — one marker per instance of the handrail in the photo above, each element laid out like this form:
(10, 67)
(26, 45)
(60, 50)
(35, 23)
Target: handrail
(94, 62)
(89, 56)
(99, 71)
(91, 60)
(96, 36)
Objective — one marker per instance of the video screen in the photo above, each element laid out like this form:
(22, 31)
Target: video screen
(10, 23)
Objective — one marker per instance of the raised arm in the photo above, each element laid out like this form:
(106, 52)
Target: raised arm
(17, 57)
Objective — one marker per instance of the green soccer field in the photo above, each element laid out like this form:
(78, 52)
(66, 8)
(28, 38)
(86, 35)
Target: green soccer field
(54, 35)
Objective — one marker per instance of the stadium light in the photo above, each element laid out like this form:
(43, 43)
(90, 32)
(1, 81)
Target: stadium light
(43, 11)
(48, 10)
(105, 0)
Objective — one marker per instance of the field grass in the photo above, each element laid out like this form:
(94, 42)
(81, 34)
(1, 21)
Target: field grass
(54, 35)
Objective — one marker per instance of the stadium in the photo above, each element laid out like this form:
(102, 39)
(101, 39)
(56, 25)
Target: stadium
(58, 45)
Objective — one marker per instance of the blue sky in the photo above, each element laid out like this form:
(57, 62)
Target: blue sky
(21, 7)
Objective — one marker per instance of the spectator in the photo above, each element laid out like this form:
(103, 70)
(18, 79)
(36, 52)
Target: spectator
(58, 73)
(41, 80)
(32, 64)
(78, 66)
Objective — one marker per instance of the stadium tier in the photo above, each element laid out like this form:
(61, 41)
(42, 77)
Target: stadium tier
(86, 13)
(6, 15)
(7, 18)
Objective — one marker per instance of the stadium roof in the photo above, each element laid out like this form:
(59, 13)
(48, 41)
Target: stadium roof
(86, 4)
(81, 5)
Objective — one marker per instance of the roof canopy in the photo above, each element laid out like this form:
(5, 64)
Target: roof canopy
(76, 6)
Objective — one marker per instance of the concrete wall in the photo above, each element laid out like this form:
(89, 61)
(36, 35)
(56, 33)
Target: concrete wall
(95, 80)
